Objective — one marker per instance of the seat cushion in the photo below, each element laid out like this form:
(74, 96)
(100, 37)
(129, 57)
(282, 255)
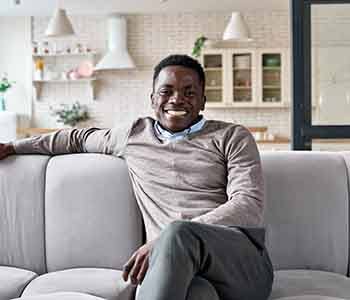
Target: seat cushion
(292, 283)
(310, 297)
(13, 281)
(61, 296)
(104, 283)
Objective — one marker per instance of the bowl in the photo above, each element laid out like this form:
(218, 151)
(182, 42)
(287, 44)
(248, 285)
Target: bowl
(272, 62)
(85, 69)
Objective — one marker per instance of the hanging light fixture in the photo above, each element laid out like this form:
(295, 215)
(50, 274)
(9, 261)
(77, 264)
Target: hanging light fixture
(236, 29)
(59, 24)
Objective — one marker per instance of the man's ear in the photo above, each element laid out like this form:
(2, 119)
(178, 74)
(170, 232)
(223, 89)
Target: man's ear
(152, 100)
(204, 101)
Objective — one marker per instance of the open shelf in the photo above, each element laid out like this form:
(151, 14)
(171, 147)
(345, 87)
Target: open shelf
(64, 54)
(65, 80)
(37, 84)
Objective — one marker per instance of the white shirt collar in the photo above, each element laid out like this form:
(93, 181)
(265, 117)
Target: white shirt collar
(164, 134)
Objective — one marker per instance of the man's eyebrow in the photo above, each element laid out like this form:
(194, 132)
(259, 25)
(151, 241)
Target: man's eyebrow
(166, 85)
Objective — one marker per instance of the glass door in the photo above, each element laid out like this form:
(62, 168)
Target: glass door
(213, 68)
(242, 78)
(321, 35)
(271, 78)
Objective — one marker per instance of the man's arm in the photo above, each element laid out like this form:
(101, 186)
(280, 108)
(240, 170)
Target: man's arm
(94, 140)
(245, 188)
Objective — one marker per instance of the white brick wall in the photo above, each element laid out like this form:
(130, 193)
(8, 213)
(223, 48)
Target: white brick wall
(124, 95)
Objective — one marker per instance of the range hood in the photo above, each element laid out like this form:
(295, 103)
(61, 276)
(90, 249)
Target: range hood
(117, 56)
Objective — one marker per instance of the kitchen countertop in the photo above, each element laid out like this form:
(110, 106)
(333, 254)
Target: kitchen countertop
(287, 141)
(277, 140)
(274, 141)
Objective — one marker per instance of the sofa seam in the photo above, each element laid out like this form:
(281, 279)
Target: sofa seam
(29, 282)
(348, 202)
(44, 211)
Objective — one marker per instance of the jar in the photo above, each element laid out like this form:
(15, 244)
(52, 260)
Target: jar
(35, 48)
(46, 48)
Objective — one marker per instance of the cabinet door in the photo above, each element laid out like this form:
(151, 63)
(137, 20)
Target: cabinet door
(242, 78)
(213, 63)
(273, 79)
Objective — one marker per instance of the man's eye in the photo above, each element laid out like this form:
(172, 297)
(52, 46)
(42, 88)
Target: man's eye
(190, 93)
(164, 92)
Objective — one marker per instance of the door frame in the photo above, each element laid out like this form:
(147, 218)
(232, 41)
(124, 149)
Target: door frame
(302, 129)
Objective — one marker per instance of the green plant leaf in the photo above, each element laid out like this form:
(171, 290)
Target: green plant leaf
(71, 114)
(198, 45)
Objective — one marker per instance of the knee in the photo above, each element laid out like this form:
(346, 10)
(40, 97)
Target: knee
(201, 289)
(177, 230)
(177, 233)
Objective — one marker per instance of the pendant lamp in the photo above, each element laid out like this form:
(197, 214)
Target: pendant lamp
(59, 24)
(236, 29)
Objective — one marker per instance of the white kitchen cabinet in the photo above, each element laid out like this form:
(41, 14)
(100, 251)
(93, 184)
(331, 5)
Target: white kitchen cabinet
(273, 78)
(246, 77)
(216, 75)
(242, 74)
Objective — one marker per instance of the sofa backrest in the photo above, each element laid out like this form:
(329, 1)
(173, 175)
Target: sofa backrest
(91, 215)
(67, 211)
(307, 210)
(79, 211)
(22, 188)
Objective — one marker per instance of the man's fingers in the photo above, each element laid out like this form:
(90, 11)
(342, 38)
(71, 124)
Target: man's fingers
(128, 266)
(126, 270)
(136, 268)
(143, 270)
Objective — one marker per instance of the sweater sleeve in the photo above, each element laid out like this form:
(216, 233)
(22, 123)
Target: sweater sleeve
(94, 140)
(245, 188)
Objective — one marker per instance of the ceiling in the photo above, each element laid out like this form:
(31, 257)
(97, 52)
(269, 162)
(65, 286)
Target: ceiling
(100, 7)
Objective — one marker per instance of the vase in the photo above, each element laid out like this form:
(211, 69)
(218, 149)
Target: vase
(61, 125)
(2, 102)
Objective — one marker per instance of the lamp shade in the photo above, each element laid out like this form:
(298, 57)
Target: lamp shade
(59, 24)
(236, 29)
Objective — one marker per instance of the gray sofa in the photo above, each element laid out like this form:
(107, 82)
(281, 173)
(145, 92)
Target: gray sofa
(68, 223)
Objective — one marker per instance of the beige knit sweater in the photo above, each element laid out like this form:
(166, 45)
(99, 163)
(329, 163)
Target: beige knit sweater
(211, 176)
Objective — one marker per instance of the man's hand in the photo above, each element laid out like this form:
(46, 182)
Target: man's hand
(6, 150)
(137, 266)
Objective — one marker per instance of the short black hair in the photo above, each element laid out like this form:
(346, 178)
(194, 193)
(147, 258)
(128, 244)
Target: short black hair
(180, 60)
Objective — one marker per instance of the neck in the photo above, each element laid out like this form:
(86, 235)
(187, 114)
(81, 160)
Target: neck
(171, 131)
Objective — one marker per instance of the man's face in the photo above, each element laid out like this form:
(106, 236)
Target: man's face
(177, 98)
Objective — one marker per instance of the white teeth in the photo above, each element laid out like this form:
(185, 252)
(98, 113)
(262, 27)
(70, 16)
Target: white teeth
(176, 112)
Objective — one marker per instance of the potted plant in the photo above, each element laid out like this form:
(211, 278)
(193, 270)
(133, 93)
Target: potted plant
(198, 46)
(71, 115)
(5, 84)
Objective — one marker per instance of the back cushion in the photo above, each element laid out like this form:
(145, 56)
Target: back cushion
(92, 219)
(22, 185)
(306, 210)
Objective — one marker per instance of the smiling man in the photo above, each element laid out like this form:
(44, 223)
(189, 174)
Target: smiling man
(198, 184)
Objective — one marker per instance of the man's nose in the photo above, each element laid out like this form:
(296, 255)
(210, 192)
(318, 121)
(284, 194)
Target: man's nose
(176, 97)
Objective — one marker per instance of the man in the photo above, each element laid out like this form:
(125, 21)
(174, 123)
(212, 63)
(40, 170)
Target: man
(198, 184)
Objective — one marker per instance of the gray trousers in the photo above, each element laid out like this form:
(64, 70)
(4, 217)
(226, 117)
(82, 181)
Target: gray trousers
(194, 261)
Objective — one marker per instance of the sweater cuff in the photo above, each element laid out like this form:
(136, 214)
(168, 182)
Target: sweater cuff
(22, 146)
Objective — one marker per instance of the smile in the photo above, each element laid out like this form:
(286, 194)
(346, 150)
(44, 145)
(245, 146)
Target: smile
(176, 113)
